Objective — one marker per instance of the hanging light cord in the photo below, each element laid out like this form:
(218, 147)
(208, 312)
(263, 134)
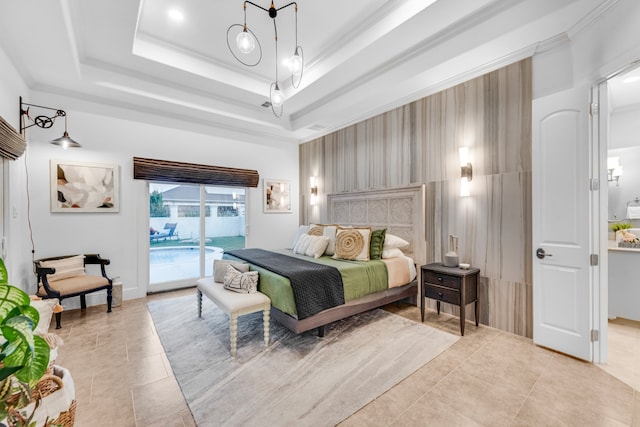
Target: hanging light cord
(26, 173)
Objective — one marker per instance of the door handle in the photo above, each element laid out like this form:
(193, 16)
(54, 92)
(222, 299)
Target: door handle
(540, 253)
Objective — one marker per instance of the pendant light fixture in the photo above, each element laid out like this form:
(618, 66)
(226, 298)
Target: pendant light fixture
(246, 48)
(45, 122)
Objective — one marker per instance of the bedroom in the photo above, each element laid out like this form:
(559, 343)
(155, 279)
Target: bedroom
(112, 134)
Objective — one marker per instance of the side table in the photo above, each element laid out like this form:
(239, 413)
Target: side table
(452, 285)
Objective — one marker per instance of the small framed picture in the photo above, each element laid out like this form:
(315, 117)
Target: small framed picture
(277, 196)
(81, 187)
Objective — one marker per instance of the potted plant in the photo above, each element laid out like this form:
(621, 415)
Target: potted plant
(24, 357)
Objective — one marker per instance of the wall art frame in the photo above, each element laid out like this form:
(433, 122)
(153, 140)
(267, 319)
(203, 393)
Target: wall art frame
(277, 196)
(84, 187)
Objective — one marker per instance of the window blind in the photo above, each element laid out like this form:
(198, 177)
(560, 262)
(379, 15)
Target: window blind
(12, 144)
(191, 173)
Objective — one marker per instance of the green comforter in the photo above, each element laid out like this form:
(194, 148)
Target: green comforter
(359, 278)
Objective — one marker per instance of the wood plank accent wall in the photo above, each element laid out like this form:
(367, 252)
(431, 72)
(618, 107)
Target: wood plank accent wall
(418, 143)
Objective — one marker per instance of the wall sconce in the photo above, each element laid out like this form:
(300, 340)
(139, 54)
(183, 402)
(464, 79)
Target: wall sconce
(45, 122)
(313, 185)
(466, 171)
(614, 170)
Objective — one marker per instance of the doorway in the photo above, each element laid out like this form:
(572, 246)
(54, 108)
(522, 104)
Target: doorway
(623, 212)
(190, 226)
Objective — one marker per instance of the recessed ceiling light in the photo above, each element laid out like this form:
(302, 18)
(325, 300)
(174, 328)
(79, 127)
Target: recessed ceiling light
(175, 14)
(632, 79)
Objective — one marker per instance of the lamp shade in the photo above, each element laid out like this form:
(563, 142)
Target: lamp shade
(613, 162)
(245, 42)
(277, 98)
(65, 141)
(464, 187)
(463, 152)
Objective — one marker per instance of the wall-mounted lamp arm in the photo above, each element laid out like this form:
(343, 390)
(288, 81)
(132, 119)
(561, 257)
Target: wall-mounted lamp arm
(44, 122)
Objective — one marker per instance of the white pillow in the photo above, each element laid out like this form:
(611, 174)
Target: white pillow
(302, 245)
(317, 247)
(65, 267)
(301, 230)
(330, 232)
(391, 253)
(393, 241)
(312, 246)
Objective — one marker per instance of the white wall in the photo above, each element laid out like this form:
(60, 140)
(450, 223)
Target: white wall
(12, 86)
(122, 237)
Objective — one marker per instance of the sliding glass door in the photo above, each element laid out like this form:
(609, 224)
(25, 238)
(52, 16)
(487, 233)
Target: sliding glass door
(189, 227)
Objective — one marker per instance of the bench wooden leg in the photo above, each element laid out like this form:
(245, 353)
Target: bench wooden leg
(234, 334)
(266, 319)
(199, 303)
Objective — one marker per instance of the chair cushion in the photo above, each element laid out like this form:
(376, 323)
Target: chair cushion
(77, 284)
(229, 301)
(65, 267)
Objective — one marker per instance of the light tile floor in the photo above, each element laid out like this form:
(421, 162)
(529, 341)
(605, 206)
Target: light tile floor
(624, 351)
(487, 378)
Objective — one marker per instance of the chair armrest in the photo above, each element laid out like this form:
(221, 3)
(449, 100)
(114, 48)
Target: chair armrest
(41, 273)
(97, 259)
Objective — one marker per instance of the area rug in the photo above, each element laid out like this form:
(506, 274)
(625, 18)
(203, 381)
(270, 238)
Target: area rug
(300, 380)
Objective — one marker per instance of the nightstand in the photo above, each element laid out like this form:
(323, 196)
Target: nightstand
(452, 285)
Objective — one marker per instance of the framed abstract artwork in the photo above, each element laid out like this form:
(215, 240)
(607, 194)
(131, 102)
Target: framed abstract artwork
(78, 187)
(277, 196)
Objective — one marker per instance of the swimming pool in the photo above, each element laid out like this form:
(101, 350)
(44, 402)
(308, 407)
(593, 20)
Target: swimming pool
(180, 262)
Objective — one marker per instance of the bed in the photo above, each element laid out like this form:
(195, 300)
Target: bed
(367, 285)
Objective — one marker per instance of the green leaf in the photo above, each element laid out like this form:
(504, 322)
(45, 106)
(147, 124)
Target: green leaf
(18, 328)
(4, 275)
(37, 365)
(6, 371)
(11, 297)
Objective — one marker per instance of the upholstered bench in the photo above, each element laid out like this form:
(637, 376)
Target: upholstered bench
(234, 304)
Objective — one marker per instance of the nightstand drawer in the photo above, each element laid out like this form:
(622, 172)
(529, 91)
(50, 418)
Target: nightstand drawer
(440, 279)
(441, 293)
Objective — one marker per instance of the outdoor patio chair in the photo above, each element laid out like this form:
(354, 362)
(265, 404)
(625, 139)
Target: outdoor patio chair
(168, 232)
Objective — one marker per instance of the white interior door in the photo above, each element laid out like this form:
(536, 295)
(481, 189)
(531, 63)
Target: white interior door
(561, 223)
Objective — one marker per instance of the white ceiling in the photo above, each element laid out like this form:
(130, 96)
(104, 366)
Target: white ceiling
(362, 57)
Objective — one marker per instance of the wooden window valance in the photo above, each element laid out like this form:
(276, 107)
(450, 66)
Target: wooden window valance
(190, 173)
(12, 144)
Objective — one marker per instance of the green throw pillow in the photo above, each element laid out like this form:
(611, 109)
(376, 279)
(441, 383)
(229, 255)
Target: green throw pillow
(377, 241)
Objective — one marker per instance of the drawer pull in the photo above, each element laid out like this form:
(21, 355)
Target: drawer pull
(439, 279)
(440, 294)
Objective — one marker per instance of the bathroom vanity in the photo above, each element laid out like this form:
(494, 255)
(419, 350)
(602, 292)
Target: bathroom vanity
(624, 281)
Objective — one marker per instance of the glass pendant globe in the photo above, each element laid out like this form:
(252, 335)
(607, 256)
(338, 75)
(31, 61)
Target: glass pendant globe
(245, 42)
(277, 99)
(295, 63)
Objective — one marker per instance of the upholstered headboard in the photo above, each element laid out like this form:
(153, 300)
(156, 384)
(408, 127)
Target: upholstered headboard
(401, 210)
